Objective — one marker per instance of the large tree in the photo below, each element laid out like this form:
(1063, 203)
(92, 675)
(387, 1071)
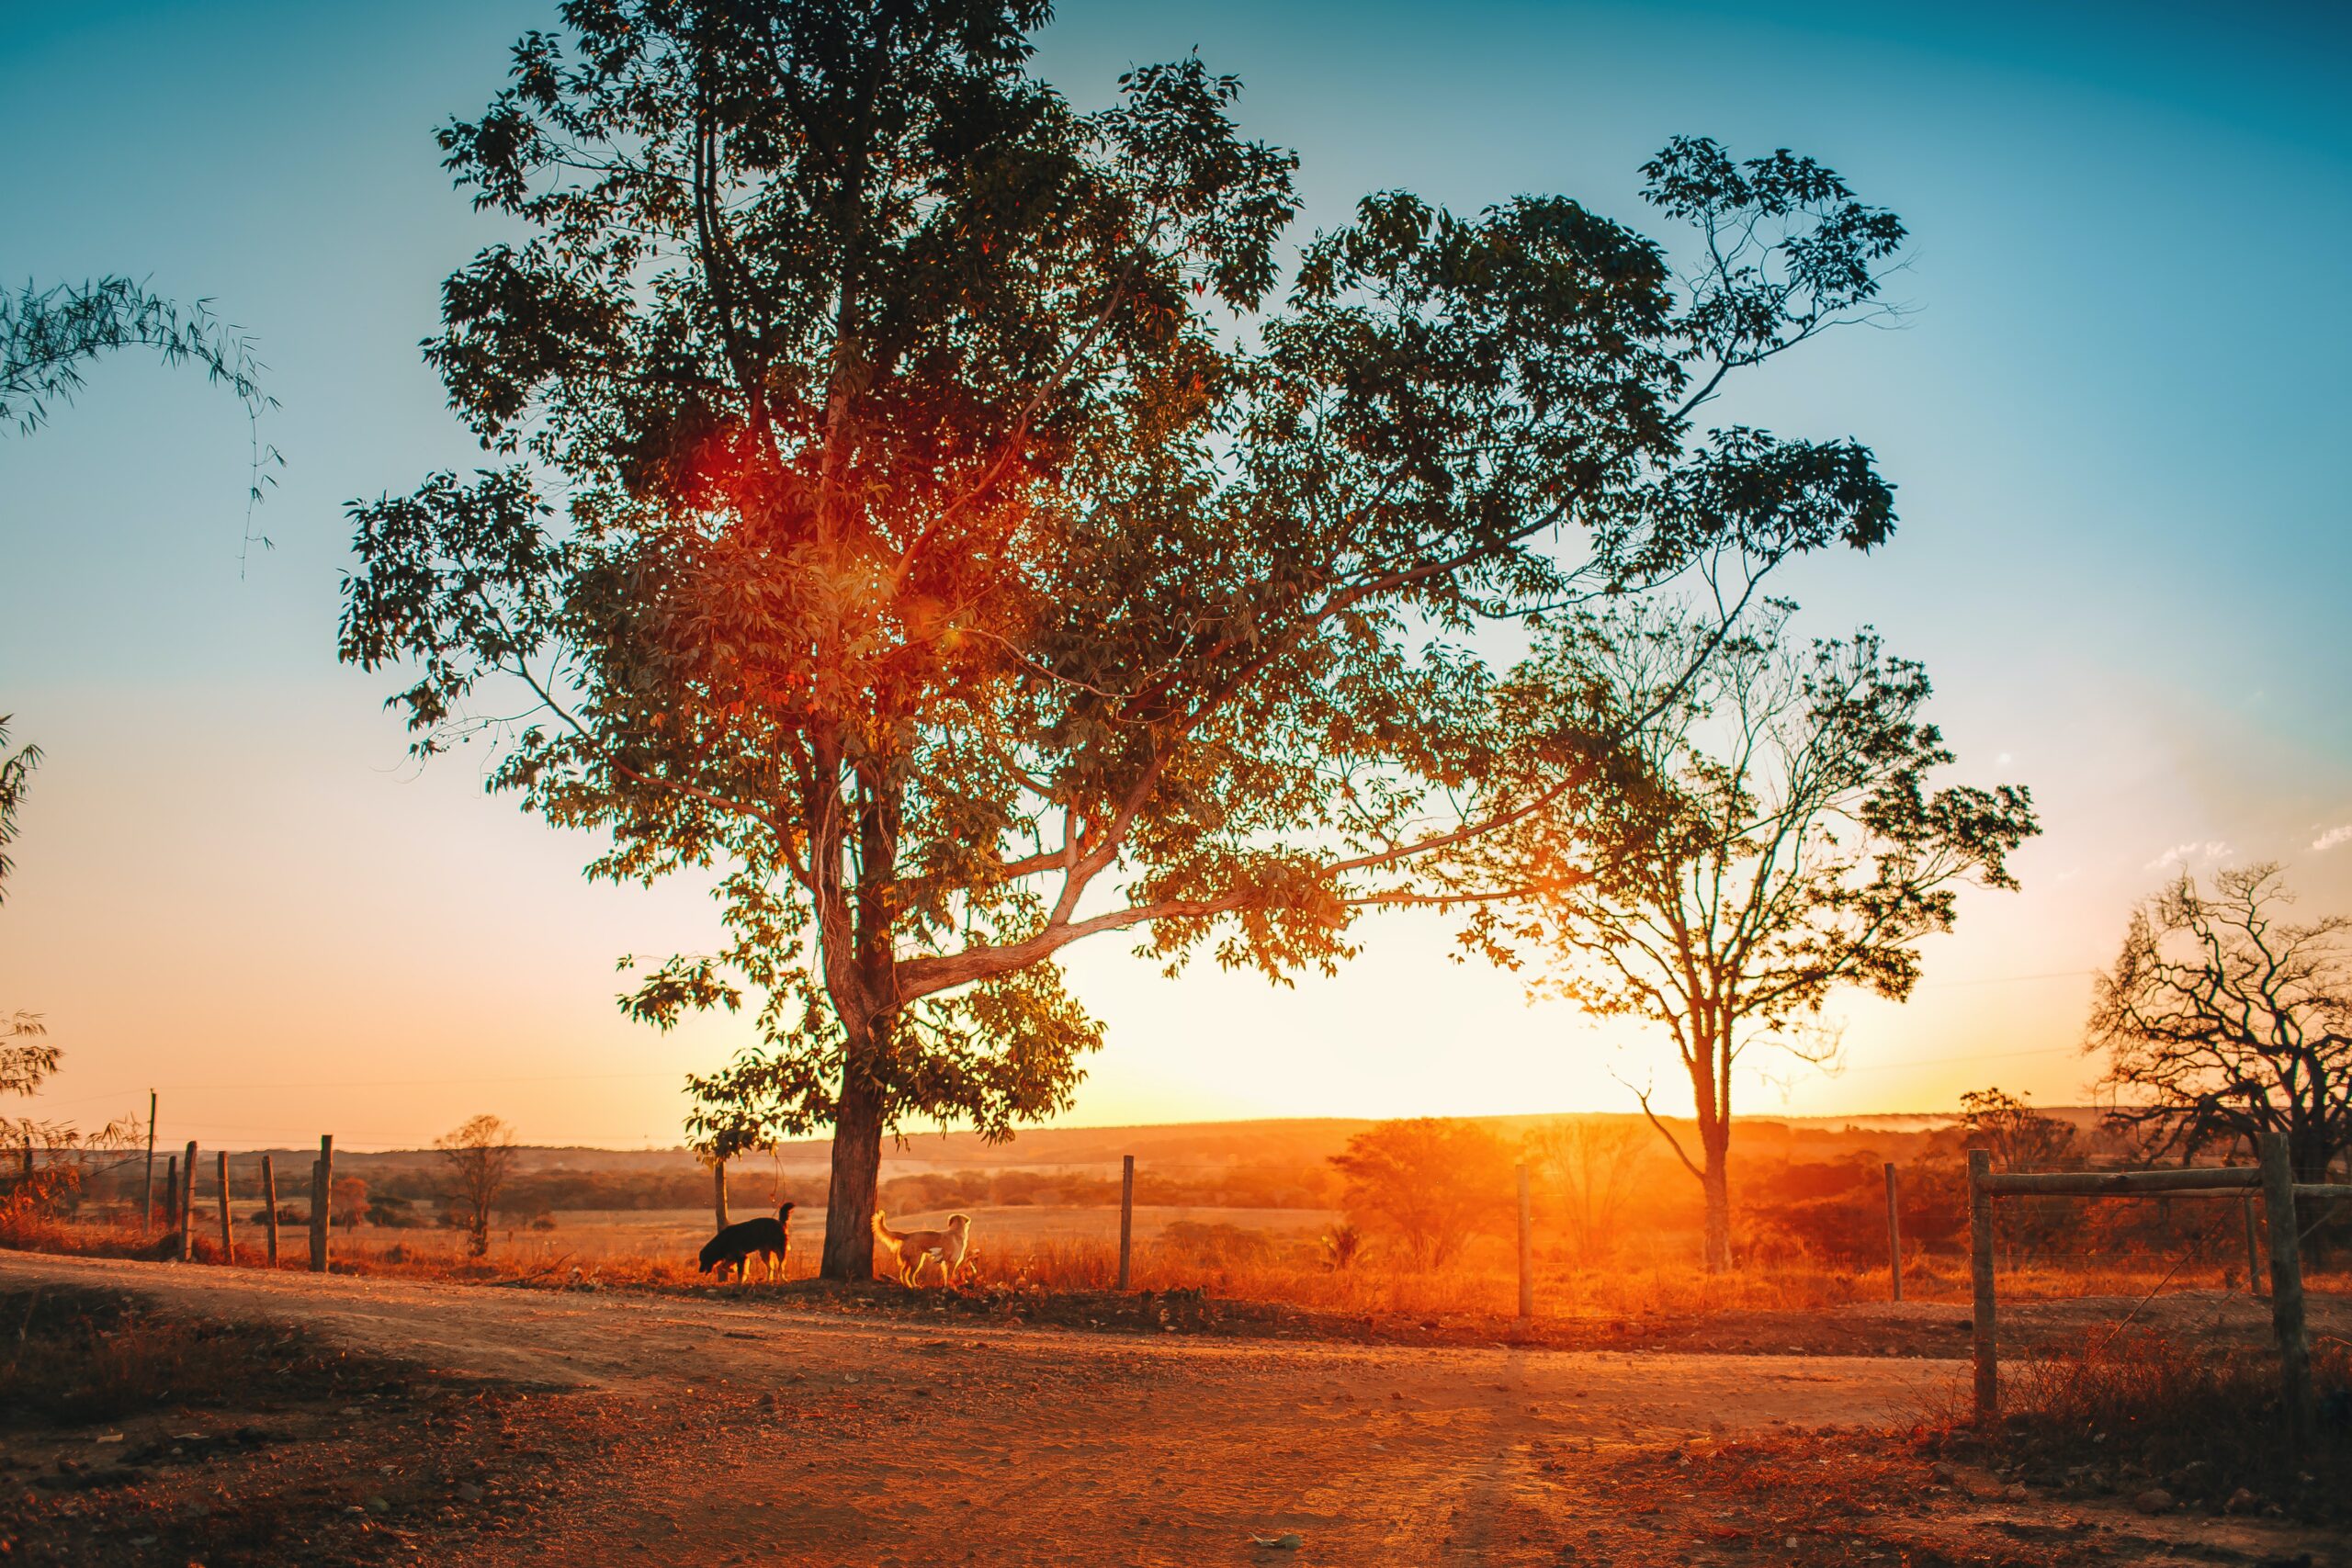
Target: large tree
(914, 511)
(2224, 1019)
(1755, 828)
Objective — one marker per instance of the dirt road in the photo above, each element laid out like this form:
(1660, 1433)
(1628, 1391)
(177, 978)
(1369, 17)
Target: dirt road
(740, 1433)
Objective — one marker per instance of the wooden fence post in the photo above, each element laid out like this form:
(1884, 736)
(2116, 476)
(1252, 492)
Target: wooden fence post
(269, 1202)
(322, 1189)
(2287, 1292)
(147, 1193)
(1126, 1219)
(1980, 1268)
(1526, 1252)
(718, 1191)
(171, 1186)
(187, 1205)
(228, 1237)
(1894, 1236)
(2252, 1252)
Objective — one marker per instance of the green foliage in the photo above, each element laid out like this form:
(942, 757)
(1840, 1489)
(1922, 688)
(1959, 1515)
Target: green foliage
(1755, 824)
(921, 501)
(48, 336)
(15, 777)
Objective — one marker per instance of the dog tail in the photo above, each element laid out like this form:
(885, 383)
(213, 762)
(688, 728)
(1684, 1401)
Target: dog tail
(884, 1234)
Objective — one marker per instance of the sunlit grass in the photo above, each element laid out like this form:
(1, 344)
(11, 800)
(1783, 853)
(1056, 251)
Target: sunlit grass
(1659, 1282)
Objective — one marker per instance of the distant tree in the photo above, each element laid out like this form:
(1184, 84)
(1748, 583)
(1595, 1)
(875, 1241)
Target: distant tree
(2222, 1020)
(476, 1159)
(2018, 1136)
(386, 1212)
(1755, 830)
(946, 564)
(347, 1204)
(1593, 1162)
(1426, 1185)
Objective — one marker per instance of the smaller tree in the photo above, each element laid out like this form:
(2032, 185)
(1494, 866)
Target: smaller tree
(1593, 1161)
(2018, 1136)
(2224, 1020)
(476, 1159)
(1425, 1185)
(347, 1204)
(1757, 828)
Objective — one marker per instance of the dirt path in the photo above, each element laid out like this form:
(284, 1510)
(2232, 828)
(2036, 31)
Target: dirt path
(741, 1433)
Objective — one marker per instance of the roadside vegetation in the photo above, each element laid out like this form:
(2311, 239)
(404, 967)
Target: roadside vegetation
(2167, 1426)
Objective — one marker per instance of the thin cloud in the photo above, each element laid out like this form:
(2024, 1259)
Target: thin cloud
(2333, 837)
(2182, 854)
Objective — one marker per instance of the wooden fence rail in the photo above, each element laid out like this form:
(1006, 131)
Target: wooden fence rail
(2273, 1179)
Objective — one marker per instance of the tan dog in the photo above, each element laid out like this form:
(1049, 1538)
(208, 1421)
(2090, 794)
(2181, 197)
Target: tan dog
(914, 1248)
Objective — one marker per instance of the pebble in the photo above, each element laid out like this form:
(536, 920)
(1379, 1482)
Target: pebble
(2155, 1500)
(469, 1493)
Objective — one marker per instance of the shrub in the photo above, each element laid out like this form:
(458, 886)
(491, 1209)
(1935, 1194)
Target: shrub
(2120, 1413)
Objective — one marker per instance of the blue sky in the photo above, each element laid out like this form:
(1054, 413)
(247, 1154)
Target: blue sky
(2115, 412)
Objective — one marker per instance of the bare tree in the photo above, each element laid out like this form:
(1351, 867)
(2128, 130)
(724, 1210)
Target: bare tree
(1754, 836)
(2224, 1020)
(1592, 1160)
(477, 1157)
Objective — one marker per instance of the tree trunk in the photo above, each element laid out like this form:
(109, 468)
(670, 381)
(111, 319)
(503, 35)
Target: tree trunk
(857, 1168)
(1716, 1182)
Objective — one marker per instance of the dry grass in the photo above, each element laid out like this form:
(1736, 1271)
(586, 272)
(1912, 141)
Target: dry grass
(2119, 1413)
(1064, 1250)
(76, 1357)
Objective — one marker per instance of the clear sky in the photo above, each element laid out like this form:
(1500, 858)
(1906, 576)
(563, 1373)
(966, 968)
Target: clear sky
(2117, 414)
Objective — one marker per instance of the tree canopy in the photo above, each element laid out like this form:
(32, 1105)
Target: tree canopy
(947, 517)
(1426, 1185)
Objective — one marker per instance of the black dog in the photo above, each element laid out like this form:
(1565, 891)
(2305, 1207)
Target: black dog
(739, 1244)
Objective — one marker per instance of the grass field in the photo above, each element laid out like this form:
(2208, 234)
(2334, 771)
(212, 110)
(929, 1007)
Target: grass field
(1262, 1256)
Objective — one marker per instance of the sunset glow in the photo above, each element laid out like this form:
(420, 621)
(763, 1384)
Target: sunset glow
(2121, 553)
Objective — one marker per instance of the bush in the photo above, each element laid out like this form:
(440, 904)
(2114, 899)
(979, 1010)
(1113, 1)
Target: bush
(2122, 1413)
(1215, 1244)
